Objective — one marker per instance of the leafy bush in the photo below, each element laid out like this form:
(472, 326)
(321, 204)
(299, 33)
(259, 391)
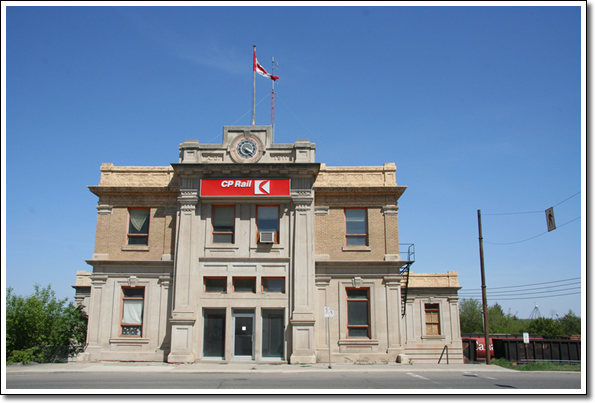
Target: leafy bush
(41, 328)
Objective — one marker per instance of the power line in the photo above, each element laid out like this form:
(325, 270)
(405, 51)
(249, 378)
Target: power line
(528, 239)
(566, 199)
(531, 284)
(511, 293)
(526, 289)
(545, 296)
(532, 212)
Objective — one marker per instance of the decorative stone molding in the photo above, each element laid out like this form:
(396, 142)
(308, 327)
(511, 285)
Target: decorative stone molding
(356, 176)
(322, 210)
(357, 282)
(390, 210)
(434, 280)
(188, 198)
(107, 210)
(322, 282)
(189, 151)
(132, 281)
(136, 176)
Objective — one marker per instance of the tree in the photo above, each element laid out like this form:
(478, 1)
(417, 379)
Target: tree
(570, 323)
(545, 327)
(503, 323)
(470, 316)
(41, 328)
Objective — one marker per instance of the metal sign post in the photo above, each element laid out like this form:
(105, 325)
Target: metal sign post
(328, 314)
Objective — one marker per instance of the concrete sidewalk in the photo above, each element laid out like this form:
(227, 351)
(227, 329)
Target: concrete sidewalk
(246, 367)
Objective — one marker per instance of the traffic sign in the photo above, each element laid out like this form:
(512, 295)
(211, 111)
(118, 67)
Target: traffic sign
(551, 221)
(328, 312)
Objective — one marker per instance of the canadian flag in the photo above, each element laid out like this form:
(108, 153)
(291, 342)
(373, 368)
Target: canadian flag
(260, 70)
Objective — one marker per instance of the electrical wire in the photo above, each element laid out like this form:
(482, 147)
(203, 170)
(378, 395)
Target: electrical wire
(523, 290)
(528, 239)
(217, 135)
(511, 293)
(532, 212)
(545, 296)
(531, 284)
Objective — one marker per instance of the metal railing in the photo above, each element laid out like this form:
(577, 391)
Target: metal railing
(443, 350)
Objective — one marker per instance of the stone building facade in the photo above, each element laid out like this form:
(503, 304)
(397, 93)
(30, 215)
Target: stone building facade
(250, 250)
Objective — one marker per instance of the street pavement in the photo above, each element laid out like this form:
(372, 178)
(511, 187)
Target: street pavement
(246, 367)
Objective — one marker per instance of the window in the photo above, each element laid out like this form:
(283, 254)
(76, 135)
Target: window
(214, 333)
(267, 220)
(223, 224)
(138, 226)
(273, 284)
(273, 331)
(356, 226)
(432, 319)
(244, 284)
(132, 311)
(215, 284)
(358, 312)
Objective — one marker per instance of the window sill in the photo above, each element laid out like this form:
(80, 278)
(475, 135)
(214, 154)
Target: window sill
(433, 336)
(358, 342)
(129, 340)
(137, 248)
(356, 248)
(222, 246)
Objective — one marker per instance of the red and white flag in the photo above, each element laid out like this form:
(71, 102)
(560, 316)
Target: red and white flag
(260, 70)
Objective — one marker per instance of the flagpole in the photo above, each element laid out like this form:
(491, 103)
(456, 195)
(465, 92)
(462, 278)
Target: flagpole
(273, 102)
(253, 84)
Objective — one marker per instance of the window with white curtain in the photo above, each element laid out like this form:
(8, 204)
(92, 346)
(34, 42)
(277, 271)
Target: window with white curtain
(133, 299)
(138, 226)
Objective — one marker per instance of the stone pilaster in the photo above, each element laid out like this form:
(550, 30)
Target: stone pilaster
(302, 317)
(393, 308)
(93, 350)
(183, 316)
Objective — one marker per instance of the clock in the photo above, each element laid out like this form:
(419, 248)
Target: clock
(246, 148)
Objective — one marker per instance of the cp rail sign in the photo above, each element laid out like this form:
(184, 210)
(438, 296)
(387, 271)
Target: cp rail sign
(244, 187)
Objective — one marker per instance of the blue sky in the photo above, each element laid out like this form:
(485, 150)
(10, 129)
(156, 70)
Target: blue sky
(479, 107)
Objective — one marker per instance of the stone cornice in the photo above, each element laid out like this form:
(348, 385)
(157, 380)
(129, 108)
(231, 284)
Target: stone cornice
(226, 170)
(131, 263)
(108, 190)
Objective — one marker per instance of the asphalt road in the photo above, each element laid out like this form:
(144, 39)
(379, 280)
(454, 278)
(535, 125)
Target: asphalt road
(338, 380)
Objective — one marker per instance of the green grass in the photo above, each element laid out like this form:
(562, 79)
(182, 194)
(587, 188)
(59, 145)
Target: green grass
(536, 366)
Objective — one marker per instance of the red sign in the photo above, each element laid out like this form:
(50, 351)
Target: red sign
(244, 187)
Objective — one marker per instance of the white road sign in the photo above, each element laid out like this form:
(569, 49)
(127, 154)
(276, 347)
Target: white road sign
(328, 312)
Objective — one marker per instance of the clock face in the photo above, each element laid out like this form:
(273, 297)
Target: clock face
(246, 148)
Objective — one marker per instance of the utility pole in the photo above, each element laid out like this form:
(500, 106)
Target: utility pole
(486, 329)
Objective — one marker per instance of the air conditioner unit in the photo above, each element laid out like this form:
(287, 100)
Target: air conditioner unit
(267, 237)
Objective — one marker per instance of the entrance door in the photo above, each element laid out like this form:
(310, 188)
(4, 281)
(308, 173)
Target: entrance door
(243, 324)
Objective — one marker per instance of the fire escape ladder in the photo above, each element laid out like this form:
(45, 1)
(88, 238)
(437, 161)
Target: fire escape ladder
(405, 272)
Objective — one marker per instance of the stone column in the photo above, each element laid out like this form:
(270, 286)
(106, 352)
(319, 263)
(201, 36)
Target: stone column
(302, 317)
(183, 316)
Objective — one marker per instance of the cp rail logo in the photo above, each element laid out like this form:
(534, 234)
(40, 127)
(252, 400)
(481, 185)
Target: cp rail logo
(244, 187)
(262, 187)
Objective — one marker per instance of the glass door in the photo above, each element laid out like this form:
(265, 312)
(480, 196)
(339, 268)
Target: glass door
(243, 343)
